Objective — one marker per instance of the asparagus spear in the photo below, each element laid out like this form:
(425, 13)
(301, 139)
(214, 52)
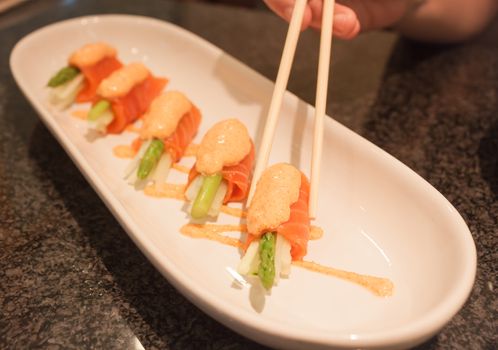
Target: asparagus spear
(266, 271)
(150, 159)
(63, 76)
(98, 109)
(205, 196)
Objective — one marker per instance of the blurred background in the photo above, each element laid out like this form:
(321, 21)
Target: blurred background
(245, 3)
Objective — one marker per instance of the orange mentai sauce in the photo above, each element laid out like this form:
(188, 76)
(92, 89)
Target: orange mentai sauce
(124, 151)
(237, 212)
(133, 128)
(225, 144)
(127, 151)
(382, 287)
(181, 168)
(282, 182)
(164, 114)
(121, 81)
(175, 191)
(191, 150)
(316, 232)
(90, 54)
(213, 232)
(80, 114)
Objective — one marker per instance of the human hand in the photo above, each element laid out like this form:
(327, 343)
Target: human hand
(350, 16)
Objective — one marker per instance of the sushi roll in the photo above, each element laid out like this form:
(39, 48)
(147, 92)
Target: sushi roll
(78, 81)
(278, 224)
(169, 125)
(123, 97)
(222, 170)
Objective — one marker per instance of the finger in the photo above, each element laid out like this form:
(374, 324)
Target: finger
(284, 9)
(346, 24)
(316, 13)
(306, 16)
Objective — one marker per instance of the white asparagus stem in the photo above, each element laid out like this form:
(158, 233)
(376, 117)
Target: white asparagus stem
(214, 211)
(193, 190)
(130, 173)
(101, 123)
(250, 261)
(249, 264)
(62, 96)
(283, 257)
(161, 171)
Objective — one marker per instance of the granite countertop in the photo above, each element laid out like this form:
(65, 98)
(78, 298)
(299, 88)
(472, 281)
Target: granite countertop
(69, 272)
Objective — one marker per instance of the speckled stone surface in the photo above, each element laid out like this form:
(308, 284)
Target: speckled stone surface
(70, 278)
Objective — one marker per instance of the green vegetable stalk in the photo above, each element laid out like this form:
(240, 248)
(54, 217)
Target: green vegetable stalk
(63, 76)
(266, 271)
(150, 159)
(205, 197)
(98, 109)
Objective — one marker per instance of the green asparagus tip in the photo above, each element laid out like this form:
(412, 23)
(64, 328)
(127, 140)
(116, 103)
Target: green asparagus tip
(266, 271)
(98, 109)
(63, 76)
(206, 195)
(150, 158)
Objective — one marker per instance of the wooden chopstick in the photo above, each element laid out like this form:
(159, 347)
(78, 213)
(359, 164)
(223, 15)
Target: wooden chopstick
(278, 93)
(321, 102)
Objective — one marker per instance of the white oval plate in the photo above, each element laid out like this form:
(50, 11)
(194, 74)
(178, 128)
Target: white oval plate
(379, 217)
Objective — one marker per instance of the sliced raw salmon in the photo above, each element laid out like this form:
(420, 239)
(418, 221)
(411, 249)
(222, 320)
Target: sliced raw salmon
(177, 143)
(94, 75)
(297, 229)
(130, 107)
(238, 177)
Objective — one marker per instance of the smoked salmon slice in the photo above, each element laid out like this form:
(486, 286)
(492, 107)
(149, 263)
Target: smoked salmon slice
(238, 178)
(94, 75)
(297, 229)
(177, 143)
(128, 108)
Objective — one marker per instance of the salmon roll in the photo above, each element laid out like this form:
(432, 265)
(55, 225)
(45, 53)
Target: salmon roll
(123, 97)
(79, 80)
(278, 224)
(223, 169)
(169, 126)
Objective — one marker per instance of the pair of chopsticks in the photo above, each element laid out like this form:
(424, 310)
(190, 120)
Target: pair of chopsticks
(281, 87)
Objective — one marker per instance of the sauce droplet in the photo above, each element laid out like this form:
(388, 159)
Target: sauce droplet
(175, 191)
(80, 114)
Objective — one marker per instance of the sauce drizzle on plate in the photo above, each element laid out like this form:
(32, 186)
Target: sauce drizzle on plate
(379, 286)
